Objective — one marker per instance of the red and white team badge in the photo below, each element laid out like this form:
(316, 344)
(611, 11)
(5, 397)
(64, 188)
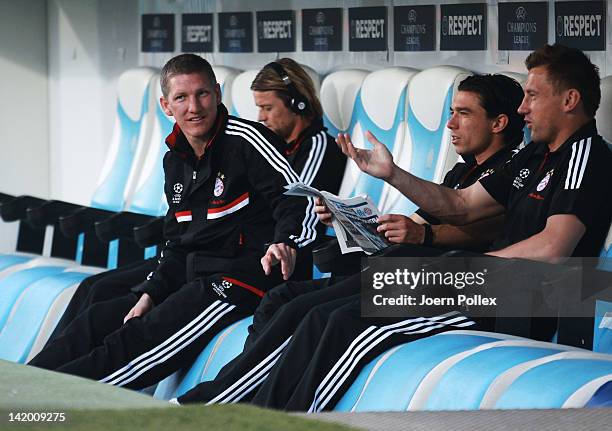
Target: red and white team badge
(545, 181)
(219, 186)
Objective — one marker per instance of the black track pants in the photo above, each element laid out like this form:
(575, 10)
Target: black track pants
(144, 350)
(103, 287)
(331, 346)
(275, 320)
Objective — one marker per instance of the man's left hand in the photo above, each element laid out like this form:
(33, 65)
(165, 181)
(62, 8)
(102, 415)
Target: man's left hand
(279, 253)
(400, 229)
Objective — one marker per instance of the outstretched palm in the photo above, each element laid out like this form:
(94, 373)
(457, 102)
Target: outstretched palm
(377, 162)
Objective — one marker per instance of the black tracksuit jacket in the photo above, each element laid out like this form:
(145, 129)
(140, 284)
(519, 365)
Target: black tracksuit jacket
(225, 207)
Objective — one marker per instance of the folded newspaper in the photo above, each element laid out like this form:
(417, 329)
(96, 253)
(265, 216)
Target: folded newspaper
(355, 219)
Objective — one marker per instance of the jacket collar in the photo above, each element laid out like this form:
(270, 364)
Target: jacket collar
(177, 142)
(503, 152)
(588, 129)
(315, 126)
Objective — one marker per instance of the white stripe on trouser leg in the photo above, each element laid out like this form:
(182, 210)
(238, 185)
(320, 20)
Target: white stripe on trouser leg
(171, 353)
(195, 325)
(237, 391)
(357, 356)
(324, 393)
(166, 342)
(355, 361)
(356, 343)
(348, 357)
(173, 344)
(319, 402)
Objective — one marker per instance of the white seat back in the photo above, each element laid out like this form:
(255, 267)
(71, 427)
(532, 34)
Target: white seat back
(225, 78)
(243, 104)
(131, 136)
(604, 113)
(427, 151)
(381, 109)
(149, 195)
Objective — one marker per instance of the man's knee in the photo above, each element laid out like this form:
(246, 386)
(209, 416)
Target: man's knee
(119, 307)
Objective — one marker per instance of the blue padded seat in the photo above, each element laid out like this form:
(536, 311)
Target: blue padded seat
(130, 133)
(15, 343)
(224, 347)
(382, 387)
(118, 187)
(553, 382)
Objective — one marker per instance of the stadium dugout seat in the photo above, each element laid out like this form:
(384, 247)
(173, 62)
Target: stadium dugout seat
(381, 109)
(465, 370)
(243, 105)
(8, 231)
(19, 270)
(419, 141)
(44, 301)
(339, 98)
(426, 151)
(225, 78)
(33, 298)
(604, 113)
(602, 331)
(132, 124)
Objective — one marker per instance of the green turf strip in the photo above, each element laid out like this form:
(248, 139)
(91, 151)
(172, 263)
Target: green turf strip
(183, 418)
(89, 405)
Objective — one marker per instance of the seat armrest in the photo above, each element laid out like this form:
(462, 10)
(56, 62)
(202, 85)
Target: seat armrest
(329, 258)
(15, 209)
(5, 198)
(120, 226)
(150, 234)
(82, 220)
(49, 212)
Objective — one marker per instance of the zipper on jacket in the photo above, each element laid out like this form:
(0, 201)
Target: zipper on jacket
(195, 174)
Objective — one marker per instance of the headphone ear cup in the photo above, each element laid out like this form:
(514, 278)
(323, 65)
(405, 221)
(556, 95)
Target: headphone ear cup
(299, 105)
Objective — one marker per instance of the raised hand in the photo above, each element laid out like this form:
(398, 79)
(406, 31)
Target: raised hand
(377, 162)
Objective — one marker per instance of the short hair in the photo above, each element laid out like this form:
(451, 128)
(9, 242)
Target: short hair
(185, 64)
(268, 80)
(569, 68)
(499, 94)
